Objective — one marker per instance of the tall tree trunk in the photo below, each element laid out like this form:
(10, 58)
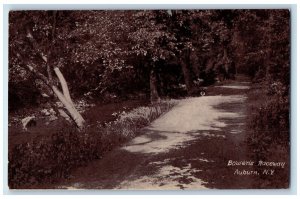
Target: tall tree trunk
(187, 76)
(154, 97)
(225, 63)
(184, 62)
(161, 85)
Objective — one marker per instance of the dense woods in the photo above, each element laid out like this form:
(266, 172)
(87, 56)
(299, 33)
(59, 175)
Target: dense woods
(121, 52)
(112, 56)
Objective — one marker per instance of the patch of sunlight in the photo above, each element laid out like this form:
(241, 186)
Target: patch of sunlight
(168, 177)
(234, 87)
(235, 131)
(140, 140)
(185, 122)
(208, 134)
(75, 186)
(195, 114)
(166, 142)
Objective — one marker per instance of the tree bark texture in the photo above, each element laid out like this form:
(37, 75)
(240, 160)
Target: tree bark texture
(184, 62)
(154, 97)
(75, 115)
(64, 85)
(187, 77)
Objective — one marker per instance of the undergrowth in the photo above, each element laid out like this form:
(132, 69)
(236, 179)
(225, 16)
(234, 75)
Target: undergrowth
(269, 129)
(49, 159)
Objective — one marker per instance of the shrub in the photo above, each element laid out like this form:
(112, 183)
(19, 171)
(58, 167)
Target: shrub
(22, 94)
(48, 159)
(271, 118)
(268, 119)
(268, 135)
(127, 124)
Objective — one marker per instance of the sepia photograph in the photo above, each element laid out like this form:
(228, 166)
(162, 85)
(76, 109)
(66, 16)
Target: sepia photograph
(179, 99)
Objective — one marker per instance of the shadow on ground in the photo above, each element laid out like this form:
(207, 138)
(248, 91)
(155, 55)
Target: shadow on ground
(178, 160)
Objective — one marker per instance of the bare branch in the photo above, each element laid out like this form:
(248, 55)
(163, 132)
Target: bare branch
(35, 45)
(50, 49)
(33, 70)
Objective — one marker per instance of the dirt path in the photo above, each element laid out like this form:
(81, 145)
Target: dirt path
(187, 148)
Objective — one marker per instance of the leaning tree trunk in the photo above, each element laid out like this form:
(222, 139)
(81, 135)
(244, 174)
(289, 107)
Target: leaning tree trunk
(65, 98)
(154, 97)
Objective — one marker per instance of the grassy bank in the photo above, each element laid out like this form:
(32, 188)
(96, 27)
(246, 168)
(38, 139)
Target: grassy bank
(268, 131)
(50, 158)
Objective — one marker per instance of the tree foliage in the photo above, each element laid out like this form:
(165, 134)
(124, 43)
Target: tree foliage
(115, 51)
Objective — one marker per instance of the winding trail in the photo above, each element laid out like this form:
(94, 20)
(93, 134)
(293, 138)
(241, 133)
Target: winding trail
(187, 148)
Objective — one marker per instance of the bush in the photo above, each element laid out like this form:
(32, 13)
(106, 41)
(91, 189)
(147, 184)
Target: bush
(271, 120)
(268, 133)
(128, 123)
(268, 119)
(49, 159)
(22, 94)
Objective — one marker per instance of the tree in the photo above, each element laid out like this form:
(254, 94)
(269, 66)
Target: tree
(262, 44)
(202, 41)
(35, 54)
(152, 40)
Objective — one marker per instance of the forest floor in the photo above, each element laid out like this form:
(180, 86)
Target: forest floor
(97, 114)
(187, 148)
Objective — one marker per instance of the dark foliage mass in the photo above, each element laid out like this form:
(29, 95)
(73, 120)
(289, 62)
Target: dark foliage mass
(114, 52)
(49, 158)
(271, 113)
